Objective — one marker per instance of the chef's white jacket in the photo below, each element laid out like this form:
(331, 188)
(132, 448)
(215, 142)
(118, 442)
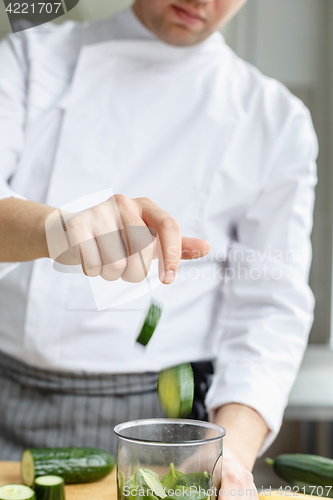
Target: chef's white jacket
(227, 151)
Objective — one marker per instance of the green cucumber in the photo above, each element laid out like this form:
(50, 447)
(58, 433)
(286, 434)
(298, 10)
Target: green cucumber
(175, 388)
(303, 470)
(149, 326)
(74, 465)
(49, 488)
(16, 492)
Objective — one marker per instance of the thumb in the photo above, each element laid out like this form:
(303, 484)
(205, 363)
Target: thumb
(194, 248)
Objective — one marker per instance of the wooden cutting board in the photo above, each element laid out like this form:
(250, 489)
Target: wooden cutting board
(106, 489)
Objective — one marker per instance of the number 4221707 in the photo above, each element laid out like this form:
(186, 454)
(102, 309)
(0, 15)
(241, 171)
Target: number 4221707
(33, 8)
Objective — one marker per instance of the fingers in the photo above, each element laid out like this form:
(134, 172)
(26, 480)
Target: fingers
(137, 240)
(105, 224)
(82, 246)
(113, 255)
(169, 237)
(90, 258)
(194, 248)
(124, 241)
(139, 244)
(120, 237)
(237, 482)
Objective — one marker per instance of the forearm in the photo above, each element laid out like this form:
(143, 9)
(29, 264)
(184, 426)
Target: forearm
(22, 230)
(246, 431)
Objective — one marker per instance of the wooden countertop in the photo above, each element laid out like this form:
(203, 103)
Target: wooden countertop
(106, 489)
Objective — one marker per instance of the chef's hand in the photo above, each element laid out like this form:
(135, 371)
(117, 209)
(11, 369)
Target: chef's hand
(245, 433)
(119, 238)
(237, 482)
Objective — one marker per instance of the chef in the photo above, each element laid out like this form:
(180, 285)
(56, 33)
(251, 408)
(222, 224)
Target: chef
(149, 120)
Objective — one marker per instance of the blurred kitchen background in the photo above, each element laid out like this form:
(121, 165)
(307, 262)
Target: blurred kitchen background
(291, 40)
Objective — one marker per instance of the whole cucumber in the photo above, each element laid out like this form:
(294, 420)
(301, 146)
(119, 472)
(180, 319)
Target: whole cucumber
(74, 465)
(304, 470)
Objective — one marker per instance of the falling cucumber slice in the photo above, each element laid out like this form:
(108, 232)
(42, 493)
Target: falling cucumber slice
(16, 492)
(149, 326)
(175, 388)
(50, 488)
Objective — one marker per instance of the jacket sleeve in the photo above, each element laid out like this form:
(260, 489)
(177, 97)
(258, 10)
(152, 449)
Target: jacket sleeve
(268, 305)
(12, 117)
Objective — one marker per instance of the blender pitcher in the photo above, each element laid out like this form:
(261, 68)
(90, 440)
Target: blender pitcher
(171, 459)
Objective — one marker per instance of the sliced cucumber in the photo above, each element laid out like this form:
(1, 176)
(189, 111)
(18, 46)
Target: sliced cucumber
(28, 468)
(149, 326)
(50, 488)
(49, 481)
(175, 388)
(16, 492)
(74, 465)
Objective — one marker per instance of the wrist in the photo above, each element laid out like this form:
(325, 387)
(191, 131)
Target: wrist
(246, 431)
(41, 241)
(243, 458)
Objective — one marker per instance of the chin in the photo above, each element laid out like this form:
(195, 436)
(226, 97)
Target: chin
(181, 36)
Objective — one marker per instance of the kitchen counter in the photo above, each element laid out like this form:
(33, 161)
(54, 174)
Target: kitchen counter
(106, 489)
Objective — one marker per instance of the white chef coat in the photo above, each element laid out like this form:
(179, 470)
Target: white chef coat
(227, 151)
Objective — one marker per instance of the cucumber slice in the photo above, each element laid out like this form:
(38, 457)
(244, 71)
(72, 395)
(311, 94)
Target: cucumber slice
(49, 481)
(74, 465)
(16, 492)
(50, 488)
(175, 388)
(27, 468)
(149, 326)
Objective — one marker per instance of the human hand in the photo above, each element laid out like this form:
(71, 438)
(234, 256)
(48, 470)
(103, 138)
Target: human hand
(237, 482)
(119, 238)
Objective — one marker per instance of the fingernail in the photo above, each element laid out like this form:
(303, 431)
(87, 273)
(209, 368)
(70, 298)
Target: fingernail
(169, 277)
